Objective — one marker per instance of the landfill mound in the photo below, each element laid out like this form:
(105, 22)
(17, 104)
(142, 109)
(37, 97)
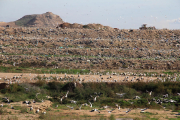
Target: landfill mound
(47, 19)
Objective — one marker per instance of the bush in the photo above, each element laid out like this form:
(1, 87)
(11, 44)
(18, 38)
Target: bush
(40, 83)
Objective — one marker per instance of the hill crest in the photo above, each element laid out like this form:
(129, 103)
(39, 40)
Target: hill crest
(47, 19)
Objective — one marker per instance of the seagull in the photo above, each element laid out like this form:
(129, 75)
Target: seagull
(105, 106)
(90, 103)
(12, 107)
(61, 99)
(34, 101)
(81, 106)
(165, 96)
(37, 111)
(29, 102)
(110, 110)
(119, 107)
(94, 98)
(25, 102)
(72, 101)
(116, 105)
(120, 94)
(31, 108)
(66, 94)
(128, 110)
(142, 110)
(177, 114)
(150, 93)
(149, 102)
(93, 110)
(2, 105)
(70, 107)
(37, 94)
(44, 112)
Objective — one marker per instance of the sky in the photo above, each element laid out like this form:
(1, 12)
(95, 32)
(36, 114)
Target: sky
(122, 14)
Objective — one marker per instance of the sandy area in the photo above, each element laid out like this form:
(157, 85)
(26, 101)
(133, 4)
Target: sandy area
(28, 77)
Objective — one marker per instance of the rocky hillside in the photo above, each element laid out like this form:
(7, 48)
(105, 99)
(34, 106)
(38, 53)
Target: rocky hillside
(47, 19)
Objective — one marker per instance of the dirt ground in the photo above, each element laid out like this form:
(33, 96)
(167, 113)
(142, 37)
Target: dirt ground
(32, 115)
(28, 77)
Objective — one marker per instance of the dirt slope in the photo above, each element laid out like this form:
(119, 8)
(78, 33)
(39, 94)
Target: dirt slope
(47, 19)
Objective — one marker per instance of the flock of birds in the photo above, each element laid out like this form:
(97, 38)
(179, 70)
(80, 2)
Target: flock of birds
(96, 77)
(93, 97)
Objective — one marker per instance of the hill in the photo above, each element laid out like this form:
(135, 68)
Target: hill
(47, 19)
(87, 26)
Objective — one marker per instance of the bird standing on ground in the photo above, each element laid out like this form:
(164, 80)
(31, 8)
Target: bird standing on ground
(31, 108)
(2, 105)
(12, 107)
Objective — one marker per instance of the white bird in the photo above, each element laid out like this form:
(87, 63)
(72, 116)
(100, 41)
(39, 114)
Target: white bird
(31, 108)
(105, 107)
(109, 111)
(2, 105)
(73, 101)
(119, 107)
(120, 94)
(90, 103)
(93, 110)
(61, 99)
(37, 94)
(94, 98)
(150, 93)
(12, 107)
(66, 94)
(44, 112)
(128, 110)
(165, 96)
(81, 106)
(70, 107)
(37, 111)
(34, 101)
(74, 84)
(142, 110)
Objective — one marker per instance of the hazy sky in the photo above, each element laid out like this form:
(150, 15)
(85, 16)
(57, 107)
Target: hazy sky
(123, 14)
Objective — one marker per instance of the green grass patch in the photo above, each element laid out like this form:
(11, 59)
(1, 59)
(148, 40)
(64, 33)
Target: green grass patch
(42, 70)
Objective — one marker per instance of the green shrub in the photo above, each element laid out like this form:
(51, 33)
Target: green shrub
(40, 83)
